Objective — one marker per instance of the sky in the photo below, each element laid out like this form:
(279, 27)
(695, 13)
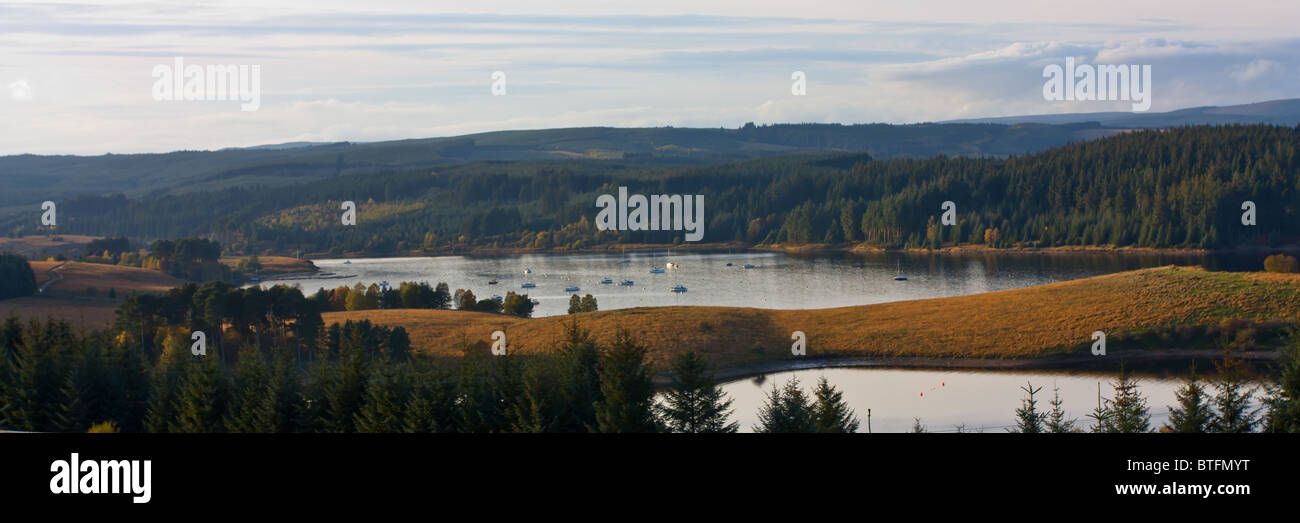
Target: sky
(79, 78)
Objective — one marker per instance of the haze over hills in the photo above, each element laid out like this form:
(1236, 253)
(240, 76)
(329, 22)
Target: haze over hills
(30, 179)
(1274, 112)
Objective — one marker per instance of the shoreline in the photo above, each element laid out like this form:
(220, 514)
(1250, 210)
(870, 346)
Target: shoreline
(855, 249)
(1151, 358)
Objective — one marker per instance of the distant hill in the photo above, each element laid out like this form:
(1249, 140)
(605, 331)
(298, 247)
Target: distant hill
(30, 179)
(1276, 112)
(26, 180)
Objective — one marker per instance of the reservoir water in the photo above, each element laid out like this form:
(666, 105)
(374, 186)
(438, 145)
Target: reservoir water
(775, 281)
(949, 401)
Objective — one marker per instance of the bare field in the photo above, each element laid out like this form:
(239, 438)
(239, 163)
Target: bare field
(79, 276)
(82, 313)
(38, 247)
(1022, 323)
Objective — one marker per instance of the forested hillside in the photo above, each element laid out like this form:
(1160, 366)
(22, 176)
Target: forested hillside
(30, 180)
(1172, 188)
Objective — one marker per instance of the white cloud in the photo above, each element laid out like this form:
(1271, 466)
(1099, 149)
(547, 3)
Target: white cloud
(20, 90)
(386, 70)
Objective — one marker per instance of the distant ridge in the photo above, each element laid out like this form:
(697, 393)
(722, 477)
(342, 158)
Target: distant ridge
(1275, 112)
(28, 179)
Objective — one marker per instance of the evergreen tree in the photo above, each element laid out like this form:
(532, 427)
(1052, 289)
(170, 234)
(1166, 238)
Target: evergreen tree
(249, 396)
(1129, 411)
(202, 398)
(345, 392)
(1284, 404)
(34, 399)
(386, 398)
(487, 390)
(579, 361)
(1233, 401)
(164, 383)
(538, 407)
(1103, 416)
(917, 426)
(1028, 419)
(1193, 413)
(628, 402)
(695, 402)
(1056, 421)
(786, 410)
(831, 414)
(431, 407)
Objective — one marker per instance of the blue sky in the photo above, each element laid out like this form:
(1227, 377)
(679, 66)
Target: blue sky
(77, 76)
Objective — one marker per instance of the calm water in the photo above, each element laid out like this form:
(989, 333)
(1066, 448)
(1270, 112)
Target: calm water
(945, 399)
(777, 281)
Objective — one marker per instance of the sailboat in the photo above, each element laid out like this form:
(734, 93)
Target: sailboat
(898, 270)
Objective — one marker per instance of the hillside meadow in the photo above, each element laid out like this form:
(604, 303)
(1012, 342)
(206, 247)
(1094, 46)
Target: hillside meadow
(1166, 306)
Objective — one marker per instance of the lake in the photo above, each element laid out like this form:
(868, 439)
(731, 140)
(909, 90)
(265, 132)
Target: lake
(980, 400)
(776, 281)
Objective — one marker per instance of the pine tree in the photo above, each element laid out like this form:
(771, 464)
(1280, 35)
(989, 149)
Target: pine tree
(1233, 401)
(202, 398)
(917, 426)
(695, 402)
(628, 402)
(1193, 413)
(579, 361)
(384, 408)
(420, 415)
(830, 413)
(164, 383)
(537, 408)
(1028, 419)
(1056, 420)
(249, 395)
(1129, 411)
(487, 389)
(345, 392)
(1284, 398)
(1102, 416)
(34, 399)
(431, 407)
(87, 391)
(786, 410)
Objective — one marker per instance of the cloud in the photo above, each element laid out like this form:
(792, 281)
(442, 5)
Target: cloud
(1256, 70)
(335, 71)
(20, 91)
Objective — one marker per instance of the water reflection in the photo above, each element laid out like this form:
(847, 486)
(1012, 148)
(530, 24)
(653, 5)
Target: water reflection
(776, 280)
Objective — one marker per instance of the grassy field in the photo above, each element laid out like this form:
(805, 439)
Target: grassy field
(38, 247)
(79, 278)
(71, 299)
(274, 264)
(1022, 323)
(80, 312)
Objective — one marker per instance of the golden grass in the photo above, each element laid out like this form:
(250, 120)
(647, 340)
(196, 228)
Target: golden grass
(81, 313)
(37, 246)
(274, 264)
(79, 276)
(1020, 323)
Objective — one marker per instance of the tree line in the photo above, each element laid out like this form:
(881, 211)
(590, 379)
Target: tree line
(1225, 404)
(16, 277)
(1182, 187)
(363, 377)
(55, 379)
